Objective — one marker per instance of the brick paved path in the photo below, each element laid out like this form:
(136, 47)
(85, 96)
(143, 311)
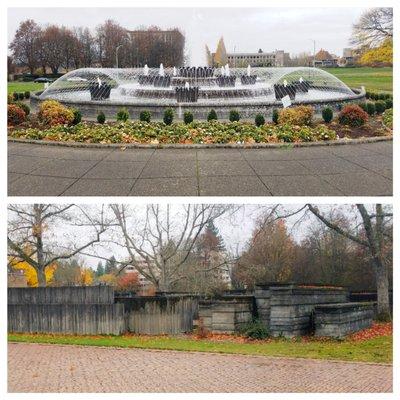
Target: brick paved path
(351, 170)
(52, 368)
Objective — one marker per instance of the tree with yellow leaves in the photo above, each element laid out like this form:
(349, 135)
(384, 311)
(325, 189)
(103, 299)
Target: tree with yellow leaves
(36, 224)
(30, 272)
(379, 56)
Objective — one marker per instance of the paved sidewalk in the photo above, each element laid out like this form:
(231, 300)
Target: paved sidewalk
(351, 170)
(52, 368)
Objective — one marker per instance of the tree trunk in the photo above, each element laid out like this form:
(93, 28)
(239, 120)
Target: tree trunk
(382, 286)
(41, 278)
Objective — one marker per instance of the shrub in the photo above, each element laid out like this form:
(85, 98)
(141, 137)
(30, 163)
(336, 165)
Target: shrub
(389, 103)
(26, 109)
(370, 108)
(275, 116)
(145, 116)
(15, 96)
(255, 330)
(327, 114)
(353, 115)
(234, 116)
(259, 120)
(52, 113)
(101, 118)
(382, 96)
(15, 115)
(10, 99)
(27, 95)
(212, 116)
(380, 106)
(77, 116)
(201, 331)
(187, 117)
(301, 115)
(168, 116)
(123, 115)
(21, 96)
(363, 105)
(388, 118)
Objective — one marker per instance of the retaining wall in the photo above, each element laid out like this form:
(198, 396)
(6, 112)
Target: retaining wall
(339, 320)
(292, 307)
(160, 314)
(228, 314)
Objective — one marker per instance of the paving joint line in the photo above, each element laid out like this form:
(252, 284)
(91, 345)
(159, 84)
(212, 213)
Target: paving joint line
(73, 183)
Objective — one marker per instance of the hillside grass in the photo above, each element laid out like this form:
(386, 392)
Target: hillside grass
(374, 79)
(378, 349)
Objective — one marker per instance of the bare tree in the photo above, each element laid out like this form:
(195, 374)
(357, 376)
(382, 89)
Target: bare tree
(109, 36)
(373, 28)
(372, 229)
(163, 241)
(32, 230)
(25, 44)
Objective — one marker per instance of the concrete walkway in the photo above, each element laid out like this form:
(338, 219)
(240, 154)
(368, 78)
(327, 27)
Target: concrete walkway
(350, 170)
(52, 368)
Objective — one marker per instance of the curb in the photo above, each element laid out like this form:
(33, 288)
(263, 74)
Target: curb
(339, 142)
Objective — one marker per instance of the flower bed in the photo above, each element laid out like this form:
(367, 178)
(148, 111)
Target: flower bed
(160, 133)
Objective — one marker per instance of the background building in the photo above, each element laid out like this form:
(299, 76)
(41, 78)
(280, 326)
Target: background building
(277, 58)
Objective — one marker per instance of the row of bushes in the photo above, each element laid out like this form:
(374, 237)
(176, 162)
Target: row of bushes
(377, 107)
(301, 115)
(378, 96)
(145, 116)
(21, 95)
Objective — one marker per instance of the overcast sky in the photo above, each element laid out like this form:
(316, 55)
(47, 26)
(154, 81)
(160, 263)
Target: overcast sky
(236, 228)
(243, 29)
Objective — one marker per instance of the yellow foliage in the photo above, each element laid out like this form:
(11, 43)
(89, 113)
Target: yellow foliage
(382, 55)
(86, 277)
(109, 279)
(30, 272)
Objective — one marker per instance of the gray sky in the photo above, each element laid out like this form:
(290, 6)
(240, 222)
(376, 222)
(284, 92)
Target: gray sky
(243, 29)
(236, 228)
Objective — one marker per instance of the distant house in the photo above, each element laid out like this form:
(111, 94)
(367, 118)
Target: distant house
(324, 59)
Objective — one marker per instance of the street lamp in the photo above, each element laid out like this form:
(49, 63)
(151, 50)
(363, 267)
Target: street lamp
(116, 53)
(314, 52)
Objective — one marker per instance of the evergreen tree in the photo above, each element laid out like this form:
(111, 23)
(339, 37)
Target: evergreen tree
(100, 269)
(111, 265)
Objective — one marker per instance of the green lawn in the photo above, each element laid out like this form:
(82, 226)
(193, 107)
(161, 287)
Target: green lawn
(374, 79)
(373, 350)
(24, 87)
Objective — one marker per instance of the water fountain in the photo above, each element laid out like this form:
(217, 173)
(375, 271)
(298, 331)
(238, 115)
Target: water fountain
(250, 90)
